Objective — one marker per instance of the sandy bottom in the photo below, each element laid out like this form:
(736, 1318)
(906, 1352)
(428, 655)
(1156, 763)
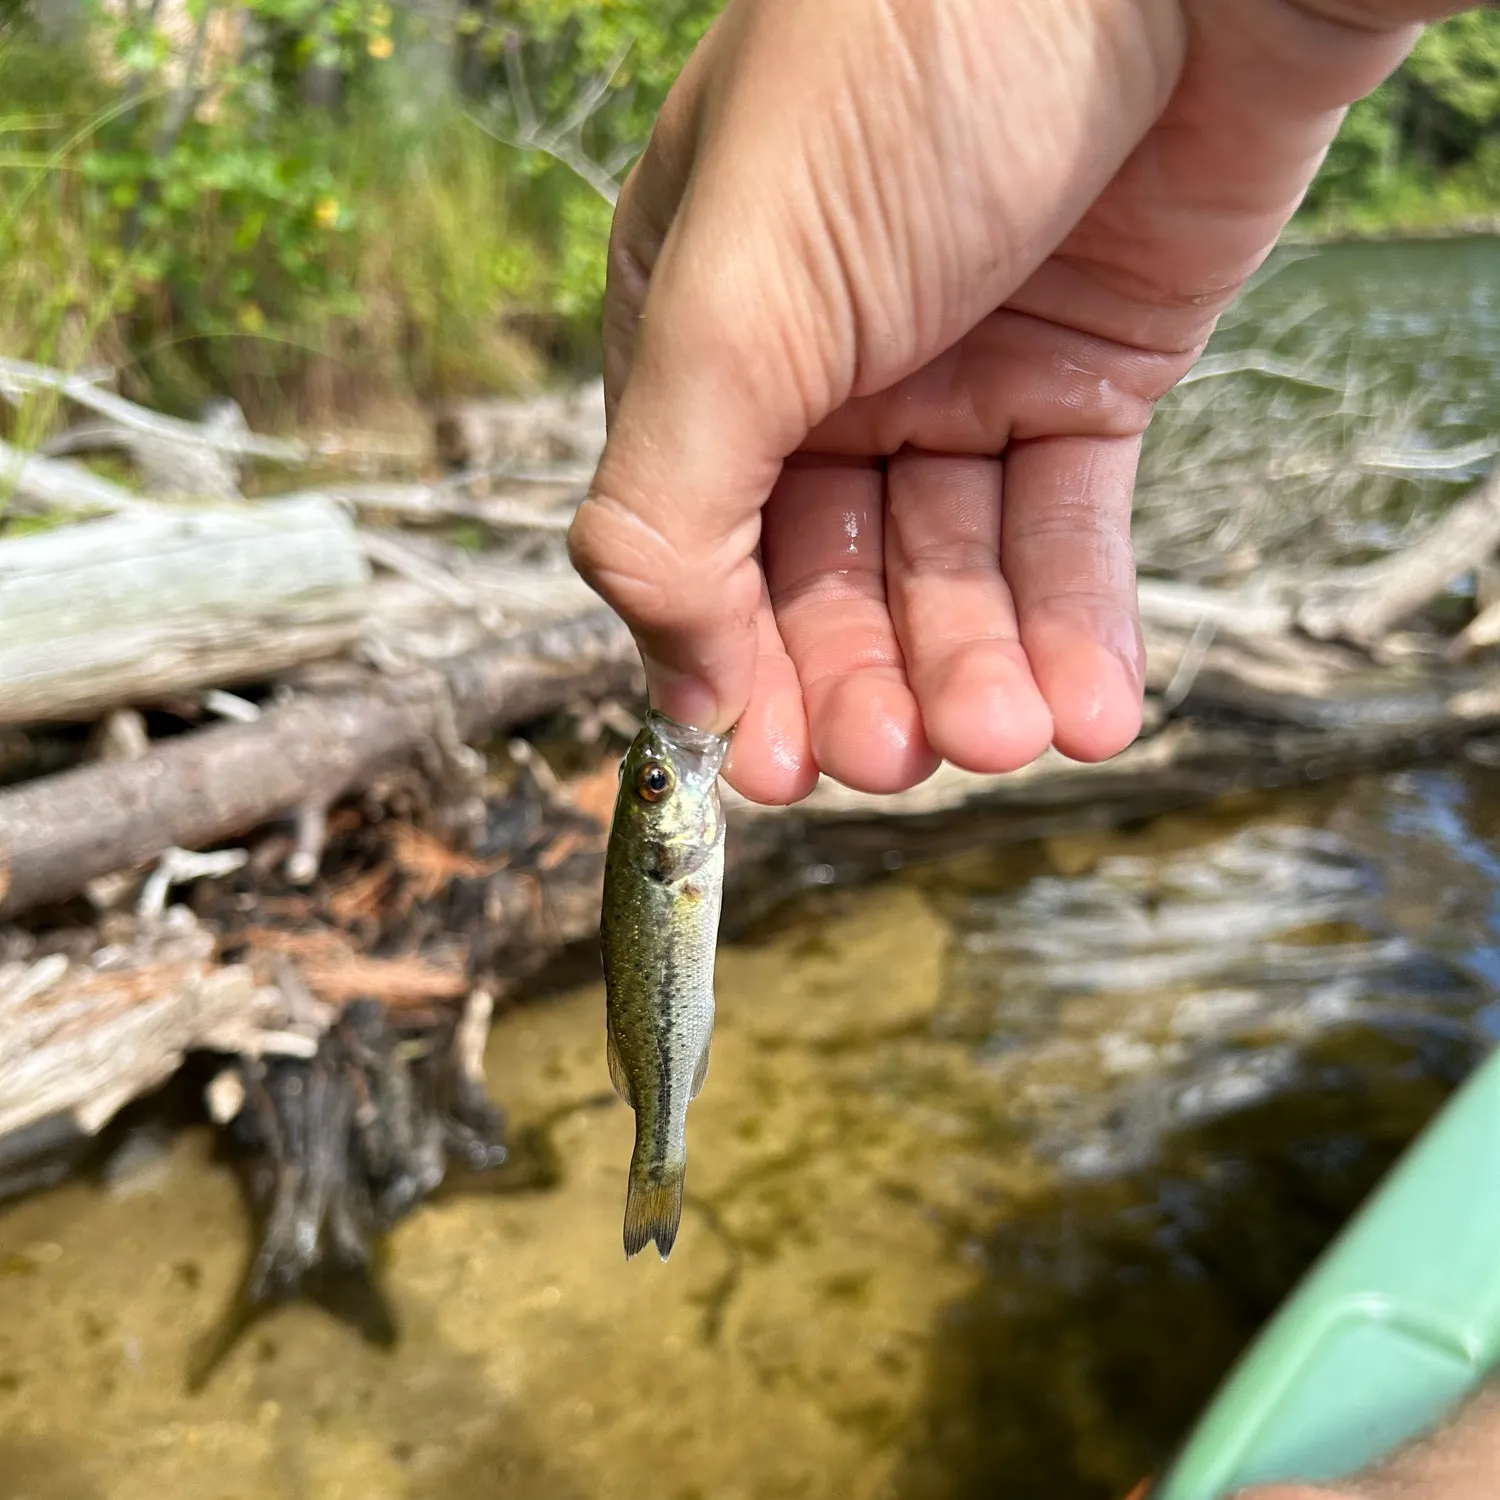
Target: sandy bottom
(996, 1170)
(837, 1156)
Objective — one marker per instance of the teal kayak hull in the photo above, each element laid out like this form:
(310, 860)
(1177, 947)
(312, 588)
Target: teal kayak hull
(1396, 1322)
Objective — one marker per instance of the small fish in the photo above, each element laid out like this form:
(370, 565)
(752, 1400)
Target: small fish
(663, 884)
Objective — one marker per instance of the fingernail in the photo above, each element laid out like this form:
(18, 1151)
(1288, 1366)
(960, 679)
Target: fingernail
(683, 696)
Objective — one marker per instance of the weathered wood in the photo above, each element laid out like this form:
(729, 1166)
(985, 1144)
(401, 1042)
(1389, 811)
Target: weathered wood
(59, 833)
(505, 511)
(66, 830)
(83, 1037)
(19, 377)
(29, 481)
(1361, 604)
(166, 599)
(478, 434)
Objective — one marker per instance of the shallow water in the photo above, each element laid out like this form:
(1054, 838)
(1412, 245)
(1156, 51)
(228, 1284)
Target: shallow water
(998, 1165)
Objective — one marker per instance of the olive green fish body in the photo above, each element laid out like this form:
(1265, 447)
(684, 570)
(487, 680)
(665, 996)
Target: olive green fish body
(663, 886)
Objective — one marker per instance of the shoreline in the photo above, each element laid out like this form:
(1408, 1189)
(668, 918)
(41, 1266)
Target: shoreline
(1474, 226)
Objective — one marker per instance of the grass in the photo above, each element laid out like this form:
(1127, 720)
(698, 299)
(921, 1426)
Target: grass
(422, 279)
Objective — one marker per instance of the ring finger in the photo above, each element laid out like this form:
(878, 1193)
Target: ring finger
(823, 550)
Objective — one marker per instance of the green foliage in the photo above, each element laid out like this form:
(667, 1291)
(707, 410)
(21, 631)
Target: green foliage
(310, 198)
(595, 73)
(1458, 65)
(276, 184)
(224, 204)
(1425, 147)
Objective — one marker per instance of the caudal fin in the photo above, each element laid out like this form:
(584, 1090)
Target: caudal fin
(653, 1210)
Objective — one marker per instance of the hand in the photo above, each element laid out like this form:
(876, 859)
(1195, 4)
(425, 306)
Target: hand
(891, 295)
(1293, 1492)
(1456, 1460)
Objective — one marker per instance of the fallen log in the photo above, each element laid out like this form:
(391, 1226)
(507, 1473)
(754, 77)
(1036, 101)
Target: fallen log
(1360, 605)
(111, 1029)
(59, 833)
(82, 1037)
(480, 433)
(33, 483)
(163, 599)
(516, 509)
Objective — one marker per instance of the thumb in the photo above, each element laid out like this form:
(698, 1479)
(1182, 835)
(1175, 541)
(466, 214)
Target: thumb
(669, 531)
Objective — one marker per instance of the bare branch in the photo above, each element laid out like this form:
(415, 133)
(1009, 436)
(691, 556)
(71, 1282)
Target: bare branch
(593, 96)
(561, 142)
(19, 376)
(54, 484)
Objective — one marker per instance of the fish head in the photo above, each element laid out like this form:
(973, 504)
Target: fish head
(668, 803)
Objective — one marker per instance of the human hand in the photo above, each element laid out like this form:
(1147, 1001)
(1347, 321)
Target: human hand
(891, 295)
(1293, 1492)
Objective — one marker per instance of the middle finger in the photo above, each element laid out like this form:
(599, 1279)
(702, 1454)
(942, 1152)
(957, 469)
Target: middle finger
(823, 550)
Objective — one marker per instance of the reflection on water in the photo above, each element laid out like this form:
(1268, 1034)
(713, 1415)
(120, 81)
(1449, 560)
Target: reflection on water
(1369, 401)
(999, 1165)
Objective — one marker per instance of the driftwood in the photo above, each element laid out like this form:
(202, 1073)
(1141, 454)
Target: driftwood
(161, 600)
(19, 377)
(1214, 655)
(1293, 675)
(1362, 604)
(519, 507)
(82, 1036)
(31, 482)
(480, 434)
(61, 832)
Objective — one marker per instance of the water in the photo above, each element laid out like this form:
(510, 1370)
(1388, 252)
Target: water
(999, 1164)
(1371, 401)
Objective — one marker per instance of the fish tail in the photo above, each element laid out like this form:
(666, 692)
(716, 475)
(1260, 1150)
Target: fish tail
(653, 1208)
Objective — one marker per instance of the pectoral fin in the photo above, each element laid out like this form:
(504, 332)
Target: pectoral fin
(617, 1068)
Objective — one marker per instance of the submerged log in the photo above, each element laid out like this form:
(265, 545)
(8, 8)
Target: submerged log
(164, 599)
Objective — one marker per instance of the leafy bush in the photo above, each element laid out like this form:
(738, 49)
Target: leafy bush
(1426, 145)
(305, 199)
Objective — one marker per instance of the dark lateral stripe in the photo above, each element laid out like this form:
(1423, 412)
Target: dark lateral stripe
(666, 1024)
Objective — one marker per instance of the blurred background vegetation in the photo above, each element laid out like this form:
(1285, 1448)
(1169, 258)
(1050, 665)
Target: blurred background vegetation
(315, 206)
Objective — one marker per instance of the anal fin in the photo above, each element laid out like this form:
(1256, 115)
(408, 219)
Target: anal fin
(700, 1069)
(617, 1074)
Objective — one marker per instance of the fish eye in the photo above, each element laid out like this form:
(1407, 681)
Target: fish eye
(653, 781)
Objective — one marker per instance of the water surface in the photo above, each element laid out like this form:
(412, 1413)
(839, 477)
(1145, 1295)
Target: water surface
(999, 1162)
(998, 1165)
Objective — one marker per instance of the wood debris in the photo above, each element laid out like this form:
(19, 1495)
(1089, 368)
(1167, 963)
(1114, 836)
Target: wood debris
(353, 867)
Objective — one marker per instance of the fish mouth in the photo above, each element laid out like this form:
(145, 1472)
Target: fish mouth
(703, 748)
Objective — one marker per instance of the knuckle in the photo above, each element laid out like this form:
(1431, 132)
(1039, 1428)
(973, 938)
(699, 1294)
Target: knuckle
(1094, 531)
(951, 558)
(626, 560)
